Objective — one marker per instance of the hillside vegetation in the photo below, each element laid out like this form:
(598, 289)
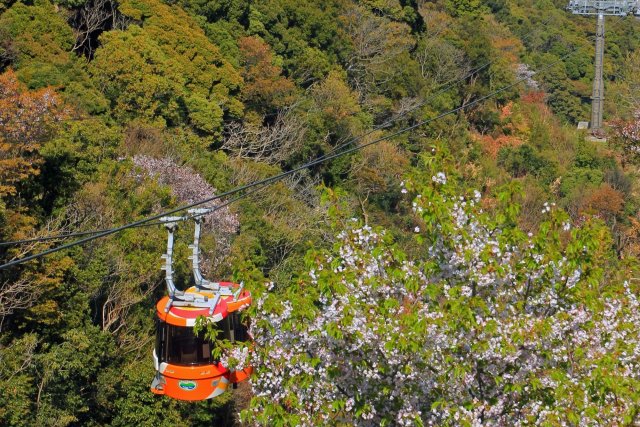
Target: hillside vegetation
(477, 269)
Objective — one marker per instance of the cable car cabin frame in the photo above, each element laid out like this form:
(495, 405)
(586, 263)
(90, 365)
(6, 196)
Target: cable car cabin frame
(185, 368)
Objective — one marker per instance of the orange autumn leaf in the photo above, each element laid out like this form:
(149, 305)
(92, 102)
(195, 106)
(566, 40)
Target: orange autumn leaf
(27, 119)
(492, 145)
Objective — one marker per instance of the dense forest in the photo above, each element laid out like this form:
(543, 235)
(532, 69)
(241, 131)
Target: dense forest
(474, 262)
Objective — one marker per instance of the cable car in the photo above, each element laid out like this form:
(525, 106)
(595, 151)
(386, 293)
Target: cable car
(185, 368)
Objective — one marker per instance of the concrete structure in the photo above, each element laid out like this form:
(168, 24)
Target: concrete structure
(601, 8)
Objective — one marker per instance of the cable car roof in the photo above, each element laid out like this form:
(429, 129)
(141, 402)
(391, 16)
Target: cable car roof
(186, 315)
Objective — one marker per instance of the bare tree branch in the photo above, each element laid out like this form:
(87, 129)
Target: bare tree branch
(271, 144)
(376, 42)
(23, 292)
(88, 20)
(440, 61)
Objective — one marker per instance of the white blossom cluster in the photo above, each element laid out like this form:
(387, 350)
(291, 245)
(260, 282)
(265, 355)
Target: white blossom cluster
(237, 358)
(439, 178)
(189, 187)
(523, 72)
(491, 328)
(363, 343)
(630, 132)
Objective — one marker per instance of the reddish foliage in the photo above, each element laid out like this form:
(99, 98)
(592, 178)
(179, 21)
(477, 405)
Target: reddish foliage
(264, 87)
(488, 203)
(491, 145)
(604, 201)
(533, 97)
(506, 111)
(630, 238)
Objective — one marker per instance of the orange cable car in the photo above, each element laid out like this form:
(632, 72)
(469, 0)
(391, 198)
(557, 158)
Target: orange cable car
(185, 368)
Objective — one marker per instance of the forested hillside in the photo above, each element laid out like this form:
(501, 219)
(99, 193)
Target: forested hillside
(474, 263)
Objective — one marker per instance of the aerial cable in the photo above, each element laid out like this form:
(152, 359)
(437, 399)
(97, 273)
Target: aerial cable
(329, 156)
(441, 89)
(270, 180)
(86, 233)
(335, 149)
(48, 238)
(146, 222)
(282, 175)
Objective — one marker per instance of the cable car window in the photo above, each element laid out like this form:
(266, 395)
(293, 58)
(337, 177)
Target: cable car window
(225, 329)
(161, 328)
(186, 348)
(240, 330)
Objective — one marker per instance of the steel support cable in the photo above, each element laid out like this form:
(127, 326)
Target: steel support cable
(345, 144)
(275, 178)
(441, 89)
(139, 224)
(335, 149)
(86, 233)
(265, 182)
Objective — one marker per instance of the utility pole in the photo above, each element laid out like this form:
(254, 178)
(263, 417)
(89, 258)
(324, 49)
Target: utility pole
(600, 8)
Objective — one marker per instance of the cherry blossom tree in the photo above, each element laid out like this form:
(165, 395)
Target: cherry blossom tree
(490, 326)
(189, 187)
(628, 137)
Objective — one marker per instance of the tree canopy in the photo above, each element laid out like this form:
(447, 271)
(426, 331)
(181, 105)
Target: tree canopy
(478, 268)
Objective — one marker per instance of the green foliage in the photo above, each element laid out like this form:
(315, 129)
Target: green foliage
(298, 29)
(464, 7)
(77, 360)
(40, 43)
(166, 71)
(205, 115)
(580, 178)
(587, 156)
(338, 108)
(524, 160)
(17, 385)
(219, 11)
(369, 315)
(72, 158)
(135, 405)
(38, 32)
(40, 40)
(167, 80)
(275, 231)
(223, 35)
(588, 170)
(136, 77)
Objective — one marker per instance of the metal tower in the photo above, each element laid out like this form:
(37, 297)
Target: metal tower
(600, 8)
